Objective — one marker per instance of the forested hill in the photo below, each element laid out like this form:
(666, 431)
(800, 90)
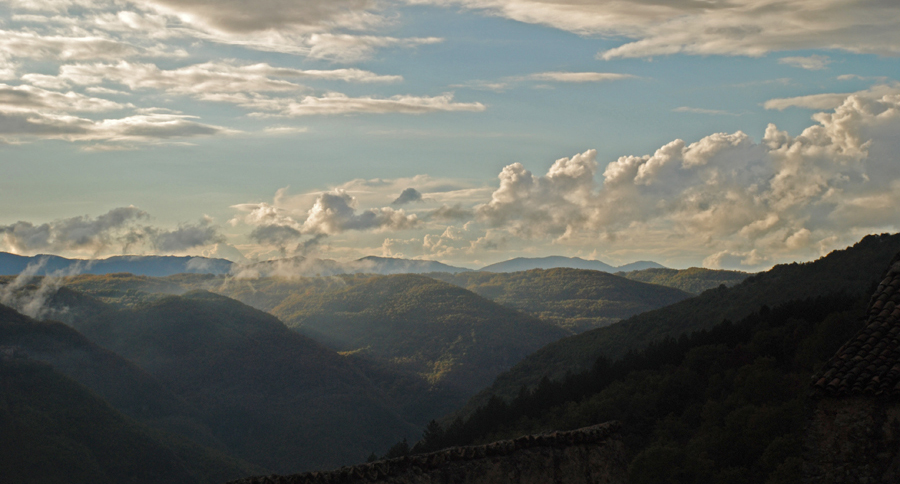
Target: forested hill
(272, 396)
(851, 271)
(427, 344)
(446, 333)
(724, 405)
(573, 299)
(693, 280)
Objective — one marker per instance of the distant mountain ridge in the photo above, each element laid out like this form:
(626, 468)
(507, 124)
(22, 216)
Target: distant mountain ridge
(310, 267)
(162, 266)
(143, 265)
(555, 261)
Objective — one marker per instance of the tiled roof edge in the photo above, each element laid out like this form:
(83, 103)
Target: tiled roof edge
(425, 462)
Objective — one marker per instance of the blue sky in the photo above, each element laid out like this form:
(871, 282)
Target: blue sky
(685, 131)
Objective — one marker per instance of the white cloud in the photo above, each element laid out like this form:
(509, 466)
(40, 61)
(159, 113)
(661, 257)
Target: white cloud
(24, 99)
(577, 77)
(83, 234)
(27, 125)
(32, 112)
(119, 230)
(739, 27)
(332, 213)
(31, 45)
(811, 63)
(185, 236)
(209, 78)
(744, 203)
(829, 100)
(338, 103)
(352, 48)
(244, 16)
(712, 112)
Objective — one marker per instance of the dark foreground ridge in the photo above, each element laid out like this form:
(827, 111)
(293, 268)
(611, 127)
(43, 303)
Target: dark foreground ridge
(591, 455)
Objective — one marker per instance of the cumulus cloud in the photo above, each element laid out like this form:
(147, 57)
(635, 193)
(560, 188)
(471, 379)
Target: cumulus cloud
(739, 27)
(331, 213)
(449, 213)
(121, 230)
(747, 203)
(334, 213)
(186, 236)
(407, 196)
(82, 234)
(810, 63)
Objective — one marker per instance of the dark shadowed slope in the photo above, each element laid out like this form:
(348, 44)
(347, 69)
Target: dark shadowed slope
(694, 280)
(57, 430)
(121, 383)
(573, 299)
(852, 271)
(274, 397)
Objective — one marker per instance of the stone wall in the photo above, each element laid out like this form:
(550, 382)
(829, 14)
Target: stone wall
(853, 440)
(592, 455)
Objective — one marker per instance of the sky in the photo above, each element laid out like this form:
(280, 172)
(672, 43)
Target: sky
(732, 134)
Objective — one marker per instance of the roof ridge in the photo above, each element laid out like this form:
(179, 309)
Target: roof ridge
(869, 363)
(424, 462)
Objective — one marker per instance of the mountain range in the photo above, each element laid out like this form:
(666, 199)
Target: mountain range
(161, 266)
(552, 262)
(158, 266)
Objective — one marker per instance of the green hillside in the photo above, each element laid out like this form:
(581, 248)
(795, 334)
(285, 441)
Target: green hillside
(851, 271)
(445, 333)
(574, 299)
(272, 396)
(693, 280)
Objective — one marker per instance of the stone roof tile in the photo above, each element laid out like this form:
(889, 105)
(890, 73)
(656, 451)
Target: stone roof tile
(869, 363)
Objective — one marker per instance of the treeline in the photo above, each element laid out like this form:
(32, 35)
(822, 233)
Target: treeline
(720, 405)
